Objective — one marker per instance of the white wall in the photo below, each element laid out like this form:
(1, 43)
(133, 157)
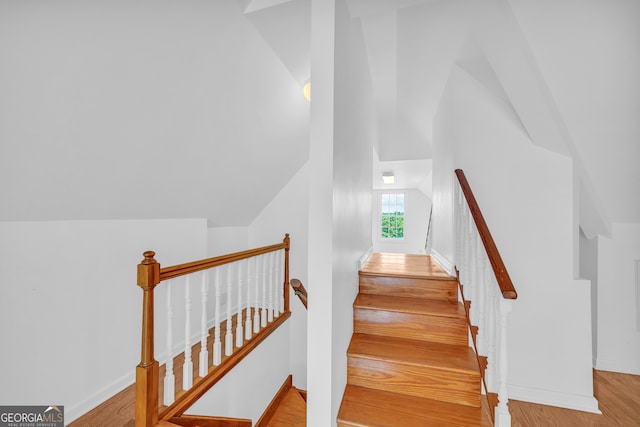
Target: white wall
(70, 306)
(416, 223)
(288, 213)
(589, 270)
(137, 109)
(341, 139)
(226, 240)
(618, 300)
(526, 195)
(354, 134)
(245, 392)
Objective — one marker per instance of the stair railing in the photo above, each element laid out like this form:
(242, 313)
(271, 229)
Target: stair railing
(428, 241)
(300, 291)
(250, 293)
(486, 283)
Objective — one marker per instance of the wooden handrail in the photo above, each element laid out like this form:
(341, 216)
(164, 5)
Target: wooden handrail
(300, 291)
(192, 267)
(499, 269)
(150, 274)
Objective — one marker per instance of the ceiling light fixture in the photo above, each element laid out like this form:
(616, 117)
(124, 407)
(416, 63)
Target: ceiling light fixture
(388, 178)
(306, 91)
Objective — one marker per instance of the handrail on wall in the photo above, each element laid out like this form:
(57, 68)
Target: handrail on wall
(502, 276)
(300, 291)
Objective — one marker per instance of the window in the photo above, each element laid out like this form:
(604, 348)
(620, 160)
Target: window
(392, 216)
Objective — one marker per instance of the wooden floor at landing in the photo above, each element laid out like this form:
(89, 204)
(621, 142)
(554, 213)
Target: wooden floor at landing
(403, 265)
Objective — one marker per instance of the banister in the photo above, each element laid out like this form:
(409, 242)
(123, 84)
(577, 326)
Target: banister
(150, 274)
(502, 276)
(146, 410)
(300, 291)
(204, 264)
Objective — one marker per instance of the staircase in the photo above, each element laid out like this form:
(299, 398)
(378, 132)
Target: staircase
(409, 360)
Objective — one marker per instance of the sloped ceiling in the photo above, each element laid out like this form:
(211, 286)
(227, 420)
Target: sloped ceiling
(112, 110)
(193, 109)
(588, 54)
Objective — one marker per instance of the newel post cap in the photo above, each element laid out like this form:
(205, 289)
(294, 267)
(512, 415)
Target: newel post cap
(148, 271)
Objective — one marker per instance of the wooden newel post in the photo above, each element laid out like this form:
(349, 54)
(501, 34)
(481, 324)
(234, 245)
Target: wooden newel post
(147, 370)
(287, 246)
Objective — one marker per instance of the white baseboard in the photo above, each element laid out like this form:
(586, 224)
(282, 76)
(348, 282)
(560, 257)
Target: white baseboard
(616, 366)
(444, 262)
(364, 258)
(73, 412)
(554, 398)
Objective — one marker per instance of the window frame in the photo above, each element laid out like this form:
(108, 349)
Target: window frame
(380, 213)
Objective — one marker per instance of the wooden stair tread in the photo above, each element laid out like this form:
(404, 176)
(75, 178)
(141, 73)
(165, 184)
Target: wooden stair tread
(364, 407)
(440, 308)
(442, 356)
(292, 412)
(404, 265)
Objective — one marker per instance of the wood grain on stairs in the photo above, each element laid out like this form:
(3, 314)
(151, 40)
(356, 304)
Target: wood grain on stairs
(375, 408)
(292, 412)
(411, 318)
(403, 265)
(404, 366)
(409, 287)
(409, 360)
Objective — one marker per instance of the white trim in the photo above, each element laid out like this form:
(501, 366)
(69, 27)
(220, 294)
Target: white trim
(73, 412)
(444, 262)
(616, 366)
(554, 398)
(364, 258)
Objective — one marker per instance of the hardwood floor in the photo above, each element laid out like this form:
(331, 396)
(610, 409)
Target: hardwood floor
(618, 395)
(619, 400)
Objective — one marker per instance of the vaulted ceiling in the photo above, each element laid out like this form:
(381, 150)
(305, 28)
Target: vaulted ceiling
(568, 69)
(193, 109)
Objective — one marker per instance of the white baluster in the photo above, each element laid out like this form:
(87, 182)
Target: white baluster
(217, 344)
(270, 304)
(204, 351)
(464, 271)
(279, 285)
(239, 329)
(284, 287)
(169, 378)
(256, 307)
(187, 368)
(247, 325)
(265, 279)
(472, 294)
(502, 415)
(228, 338)
(490, 374)
(457, 217)
(483, 283)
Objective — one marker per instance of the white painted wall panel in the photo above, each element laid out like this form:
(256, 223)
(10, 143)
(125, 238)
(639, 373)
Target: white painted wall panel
(618, 337)
(288, 212)
(526, 195)
(70, 306)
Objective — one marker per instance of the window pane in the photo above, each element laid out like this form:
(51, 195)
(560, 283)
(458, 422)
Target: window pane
(392, 215)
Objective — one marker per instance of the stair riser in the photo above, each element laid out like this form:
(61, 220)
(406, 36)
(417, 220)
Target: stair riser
(412, 380)
(446, 290)
(447, 330)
